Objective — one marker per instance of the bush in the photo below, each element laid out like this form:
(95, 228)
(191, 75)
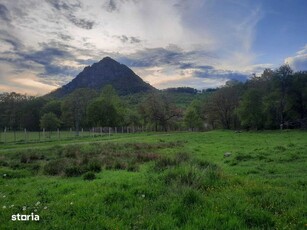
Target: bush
(74, 171)
(94, 166)
(55, 167)
(89, 176)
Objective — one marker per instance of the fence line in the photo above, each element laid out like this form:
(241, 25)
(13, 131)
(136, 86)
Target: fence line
(25, 136)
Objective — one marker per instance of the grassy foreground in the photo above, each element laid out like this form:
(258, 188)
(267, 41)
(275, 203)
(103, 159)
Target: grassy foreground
(159, 181)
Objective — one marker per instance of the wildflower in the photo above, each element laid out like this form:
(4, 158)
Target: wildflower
(71, 203)
(37, 203)
(3, 206)
(4, 175)
(24, 208)
(4, 196)
(11, 206)
(143, 195)
(45, 207)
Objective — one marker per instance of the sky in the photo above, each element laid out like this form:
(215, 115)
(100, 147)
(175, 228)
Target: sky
(44, 44)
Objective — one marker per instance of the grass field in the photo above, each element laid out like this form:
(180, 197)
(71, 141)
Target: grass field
(158, 181)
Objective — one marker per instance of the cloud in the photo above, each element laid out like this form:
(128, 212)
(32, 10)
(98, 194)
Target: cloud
(299, 61)
(165, 42)
(4, 13)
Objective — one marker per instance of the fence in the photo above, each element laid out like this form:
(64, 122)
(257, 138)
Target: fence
(25, 136)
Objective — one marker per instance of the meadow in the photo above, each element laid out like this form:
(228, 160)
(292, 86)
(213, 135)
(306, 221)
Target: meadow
(178, 180)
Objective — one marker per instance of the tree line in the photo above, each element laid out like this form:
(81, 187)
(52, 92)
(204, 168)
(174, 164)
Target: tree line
(275, 99)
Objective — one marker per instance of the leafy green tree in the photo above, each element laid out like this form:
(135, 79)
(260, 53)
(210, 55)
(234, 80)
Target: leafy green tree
(224, 103)
(74, 108)
(107, 110)
(193, 116)
(250, 110)
(49, 121)
(159, 110)
(11, 105)
(53, 106)
(30, 117)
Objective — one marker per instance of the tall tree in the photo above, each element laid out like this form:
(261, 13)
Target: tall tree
(224, 103)
(250, 110)
(159, 110)
(74, 107)
(107, 110)
(193, 116)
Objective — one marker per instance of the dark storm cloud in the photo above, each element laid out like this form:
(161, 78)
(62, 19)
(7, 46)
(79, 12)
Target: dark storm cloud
(4, 13)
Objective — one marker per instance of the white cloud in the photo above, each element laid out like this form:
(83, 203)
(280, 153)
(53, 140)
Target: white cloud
(299, 61)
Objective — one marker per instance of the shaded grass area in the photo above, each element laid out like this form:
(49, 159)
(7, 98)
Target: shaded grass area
(178, 181)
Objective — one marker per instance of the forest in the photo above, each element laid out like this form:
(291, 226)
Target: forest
(276, 99)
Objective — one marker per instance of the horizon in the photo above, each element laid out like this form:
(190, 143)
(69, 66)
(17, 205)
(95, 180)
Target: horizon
(177, 43)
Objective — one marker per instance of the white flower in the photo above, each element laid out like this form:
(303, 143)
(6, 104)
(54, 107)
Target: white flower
(4, 175)
(37, 203)
(3, 206)
(11, 206)
(24, 208)
(71, 203)
(4, 196)
(45, 207)
(143, 195)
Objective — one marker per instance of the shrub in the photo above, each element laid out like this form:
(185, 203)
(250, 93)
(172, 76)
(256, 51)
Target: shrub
(94, 166)
(89, 176)
(55, 167)
(74, 171)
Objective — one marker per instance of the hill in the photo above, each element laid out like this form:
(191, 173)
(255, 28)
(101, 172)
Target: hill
(107, 71)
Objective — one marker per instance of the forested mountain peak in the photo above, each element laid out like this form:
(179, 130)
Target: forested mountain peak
(106, 71)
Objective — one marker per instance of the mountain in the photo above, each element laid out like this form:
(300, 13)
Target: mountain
(105, 72)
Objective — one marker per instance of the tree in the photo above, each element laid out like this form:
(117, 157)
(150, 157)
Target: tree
(281, 78)
(193, 115)
(107, 110)
(49, 121)
(159, 110)
(31, 113)
(11, 109)
(74, 107)
(250, 110)
(224, 103)
(53, 106)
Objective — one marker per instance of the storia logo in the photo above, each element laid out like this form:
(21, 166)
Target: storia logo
(19, 217)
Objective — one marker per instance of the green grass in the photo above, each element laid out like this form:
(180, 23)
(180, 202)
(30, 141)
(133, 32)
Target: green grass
(158, 181)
